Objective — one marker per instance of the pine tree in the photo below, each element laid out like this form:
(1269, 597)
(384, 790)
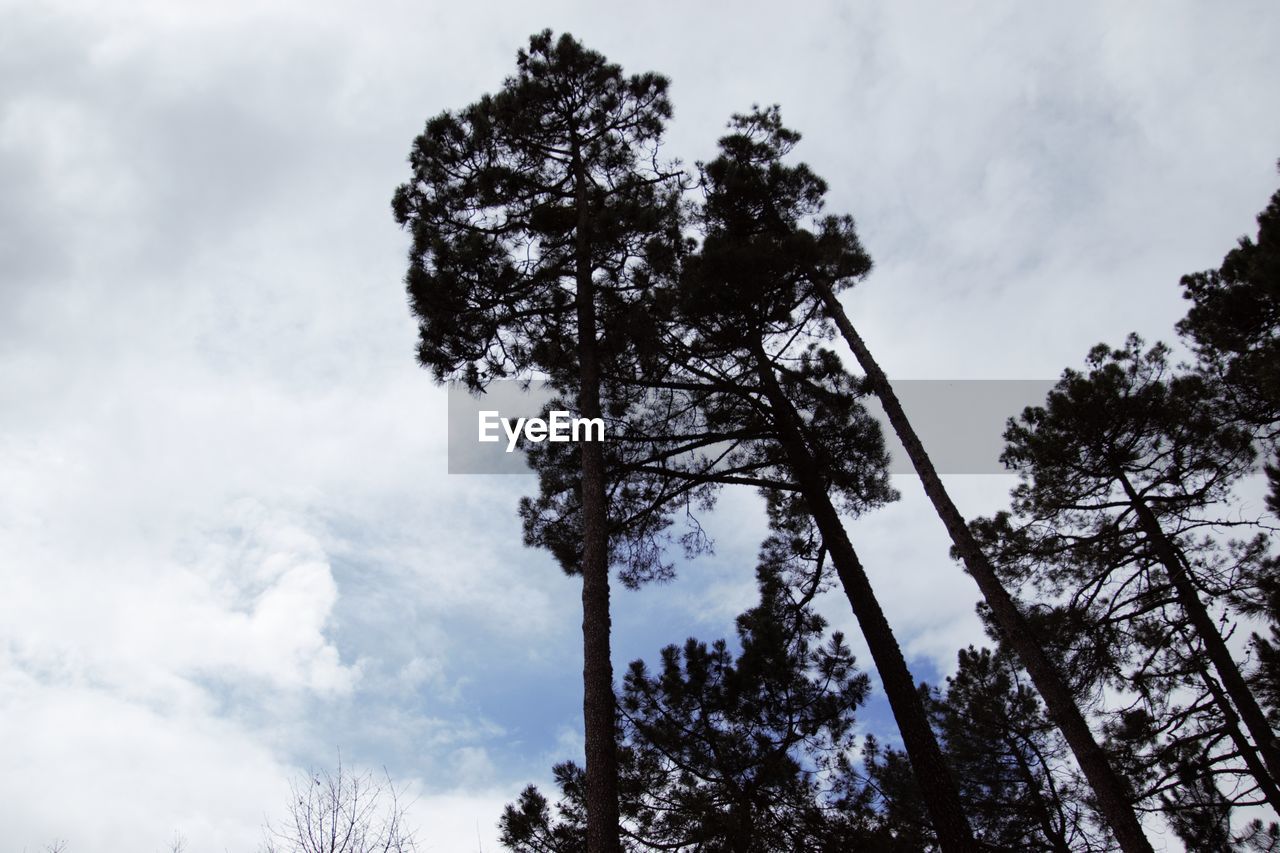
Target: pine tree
(788, 422)
(1234, 326)
(746, 752)
(1234, 323)
(761, 171)
(1016, 783)
(746, 314)
(1121, 469)
(527, 209)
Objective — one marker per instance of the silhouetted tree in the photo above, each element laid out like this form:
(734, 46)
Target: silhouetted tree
(734, 752)
(893, 790)
(757, 175)
(1111, 618)
(1234, 326)
(1260, 598)
(1234, 323)
(1016, 781)
(1018, 787)
(655, 469)
(745, 309)
(528, 210)
(342, 812)
(1120, 469)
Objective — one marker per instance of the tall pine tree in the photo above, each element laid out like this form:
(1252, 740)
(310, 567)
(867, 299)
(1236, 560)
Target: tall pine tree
(1122, 469)
(750, 326)
(726, 751)
(820, 284)
(527, 210)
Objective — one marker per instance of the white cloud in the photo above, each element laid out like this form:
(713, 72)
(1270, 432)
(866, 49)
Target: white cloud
(460, 822)
(104, 773)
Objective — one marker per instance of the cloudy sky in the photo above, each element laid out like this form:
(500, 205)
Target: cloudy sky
(228, 544)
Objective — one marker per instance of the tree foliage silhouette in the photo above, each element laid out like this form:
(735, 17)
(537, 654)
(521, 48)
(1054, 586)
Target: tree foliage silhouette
(821, 285)
(1121, 470)
(1234, 323)
(1234, 326)
(529, 210)
(1018, 787)
(723, 751)
(750, 325)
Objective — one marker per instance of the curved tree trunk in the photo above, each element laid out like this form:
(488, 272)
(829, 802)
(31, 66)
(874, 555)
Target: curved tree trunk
(1115, 801)
(937, 785)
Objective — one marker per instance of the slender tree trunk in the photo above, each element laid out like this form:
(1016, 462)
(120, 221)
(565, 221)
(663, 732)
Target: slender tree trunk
(1248, 753)
(1114, 798)
(598, 708)
(1255, 721)
(931, 770)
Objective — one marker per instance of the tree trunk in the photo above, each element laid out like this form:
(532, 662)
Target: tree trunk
(598, 700)
(1038, 805)
(1115, 801)
(1255, 721)
(931, 771)
(1248, 753)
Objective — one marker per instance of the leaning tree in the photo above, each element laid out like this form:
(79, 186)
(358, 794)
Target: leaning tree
(821, 284)
(529, 212)
(1124, 471)
(745, 321)
(738, 394)
(1234, 326)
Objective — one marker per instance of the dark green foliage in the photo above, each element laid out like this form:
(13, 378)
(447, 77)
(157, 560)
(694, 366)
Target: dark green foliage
(530, 826)
(892, 789)
(1125, 438)
(492, 209)
(1128, 418)
(651, 478)
(733, 752)
(1234, 322)
(1010, 760)
(744, 304)
(745, 738)
(758, 261)
(1019, 788)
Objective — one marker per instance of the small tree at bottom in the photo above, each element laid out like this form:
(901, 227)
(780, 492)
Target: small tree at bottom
(340, 811)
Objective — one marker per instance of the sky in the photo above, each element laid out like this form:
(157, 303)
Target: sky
(229, 547)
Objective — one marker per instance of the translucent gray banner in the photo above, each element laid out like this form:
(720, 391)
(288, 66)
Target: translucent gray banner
(960, 422)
